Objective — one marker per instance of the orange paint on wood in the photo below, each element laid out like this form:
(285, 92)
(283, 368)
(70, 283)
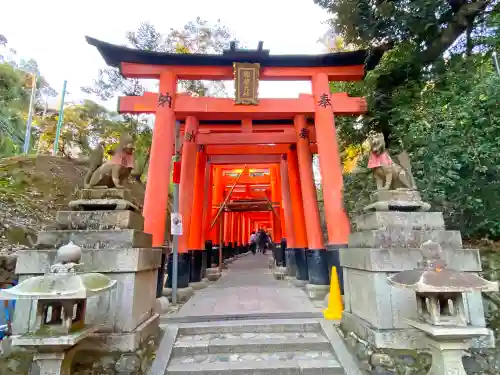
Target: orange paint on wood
(245, 159)
(275, 197)
(330, 165)
(209, 108)
(195, 235)
(207, 207)
(262, 150)
(217, 199)
(287, 204)
(308, 187)
(247, 180)
(186, 187)
(156, 196)
(246, 125)
(245, 138)
(299, 224)
(334, 73)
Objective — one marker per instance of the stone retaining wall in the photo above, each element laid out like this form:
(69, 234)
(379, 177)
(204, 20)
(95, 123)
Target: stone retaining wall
(414, 362)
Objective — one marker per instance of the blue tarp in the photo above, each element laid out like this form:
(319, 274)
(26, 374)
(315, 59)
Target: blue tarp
(6, 314)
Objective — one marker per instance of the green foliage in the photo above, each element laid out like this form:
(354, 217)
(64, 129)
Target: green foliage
(422, 31)
(198, 36)
(451, 131)
(13, 99)
(435, 95)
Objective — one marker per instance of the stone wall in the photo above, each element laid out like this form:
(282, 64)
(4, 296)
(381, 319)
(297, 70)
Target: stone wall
(7, 268)
(86, 362)
(414, 362)
(476, 362)
(14, 362)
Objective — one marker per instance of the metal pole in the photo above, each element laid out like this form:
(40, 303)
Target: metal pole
(495, 60)
(221, 240)
(27, 135)
(60, 120)
(175, 249)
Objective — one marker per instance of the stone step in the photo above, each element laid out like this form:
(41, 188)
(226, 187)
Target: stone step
(400, 259)
(249, 343)
(250, 326)
(281, 363)
(99, 220)
(404, 238)
(401, 220)
(102, 204)
(105, 193)
(94, 239)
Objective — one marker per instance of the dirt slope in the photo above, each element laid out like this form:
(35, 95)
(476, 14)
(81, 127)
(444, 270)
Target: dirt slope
(32, 190)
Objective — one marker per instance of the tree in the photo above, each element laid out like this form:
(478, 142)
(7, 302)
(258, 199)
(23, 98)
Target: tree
(422, 31)
(14, 99)
(196, 36)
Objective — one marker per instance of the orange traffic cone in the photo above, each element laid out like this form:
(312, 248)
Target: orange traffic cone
(335, 307)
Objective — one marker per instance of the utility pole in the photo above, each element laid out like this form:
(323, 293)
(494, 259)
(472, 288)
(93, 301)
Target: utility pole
(60, 120)
(495, 61)
(27, 135)
(175, 248)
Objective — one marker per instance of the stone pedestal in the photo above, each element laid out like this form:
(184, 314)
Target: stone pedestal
(387, 241)
(109, 229)
(213, 274)
(279, 273)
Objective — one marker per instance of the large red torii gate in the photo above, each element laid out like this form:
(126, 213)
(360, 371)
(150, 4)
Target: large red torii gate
(250, 140)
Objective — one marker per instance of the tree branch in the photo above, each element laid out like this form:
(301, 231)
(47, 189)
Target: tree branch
(457, 26)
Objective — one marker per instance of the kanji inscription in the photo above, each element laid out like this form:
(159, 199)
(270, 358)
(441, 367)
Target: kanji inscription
(246, 83)
(324, 101)
(165, 99)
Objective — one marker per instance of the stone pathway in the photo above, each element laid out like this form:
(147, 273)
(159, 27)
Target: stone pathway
(247, 287)
(249, 323)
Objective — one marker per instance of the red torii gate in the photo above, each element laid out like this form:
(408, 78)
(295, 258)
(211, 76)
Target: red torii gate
(246, 140)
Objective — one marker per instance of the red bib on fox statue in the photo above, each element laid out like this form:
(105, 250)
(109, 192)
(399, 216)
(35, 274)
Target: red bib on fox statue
(377, 160)
(124, 159)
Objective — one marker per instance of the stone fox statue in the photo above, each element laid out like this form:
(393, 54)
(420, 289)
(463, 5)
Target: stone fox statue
(388, 174)
(112, 173)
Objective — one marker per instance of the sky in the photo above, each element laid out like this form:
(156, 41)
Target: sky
(53, 32)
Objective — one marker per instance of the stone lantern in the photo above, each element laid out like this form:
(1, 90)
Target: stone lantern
(441, 311)
(61, 297)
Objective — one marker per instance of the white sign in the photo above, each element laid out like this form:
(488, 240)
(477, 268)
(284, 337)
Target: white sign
(176, 224)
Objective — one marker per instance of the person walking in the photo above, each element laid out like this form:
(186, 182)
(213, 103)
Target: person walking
(253, 243)
(262, 241)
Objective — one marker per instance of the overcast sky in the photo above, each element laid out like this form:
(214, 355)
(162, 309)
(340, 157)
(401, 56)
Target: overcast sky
(53, 32)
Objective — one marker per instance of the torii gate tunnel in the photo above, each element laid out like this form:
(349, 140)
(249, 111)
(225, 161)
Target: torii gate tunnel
(257, 151)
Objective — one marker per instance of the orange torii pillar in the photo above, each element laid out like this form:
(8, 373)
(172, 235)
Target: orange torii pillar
(196, 232)
(239, 232)
(186, 187)
(227, 235)
(156, 197)
(217, 200)
(233, 235)
(279, 254)
(299, 224)
(317, 261)
(275, 199)
(206, 239)
(337, 221)
(291, 266)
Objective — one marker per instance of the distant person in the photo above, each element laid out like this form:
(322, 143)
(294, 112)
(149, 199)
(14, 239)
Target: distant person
(262, 241)
(253, 242)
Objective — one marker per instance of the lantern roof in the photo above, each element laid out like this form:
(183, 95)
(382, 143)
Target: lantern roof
(60, 286)
(441, 281)
(64, 281)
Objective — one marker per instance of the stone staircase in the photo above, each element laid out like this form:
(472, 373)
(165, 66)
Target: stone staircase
(257, 347)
